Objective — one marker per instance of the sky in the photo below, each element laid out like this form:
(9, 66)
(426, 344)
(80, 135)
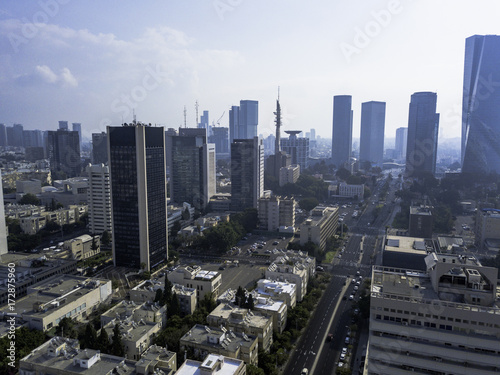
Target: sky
(95, 62)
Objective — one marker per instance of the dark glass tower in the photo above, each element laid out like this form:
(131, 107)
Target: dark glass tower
(138, 195)
(64, 153)
(342, 130)
(481, 105)
(372, 132)
(423, 126)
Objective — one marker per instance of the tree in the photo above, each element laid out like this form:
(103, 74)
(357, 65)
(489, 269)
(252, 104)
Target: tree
(103, 341)
(343, 173)
(308, 204)
(175, 307)
(29, 199)
(159, 297)
(66, 328)
(117, 346)
(94, 246)
(105, 238)
(250, 303)
(240, 297)
(89, 340)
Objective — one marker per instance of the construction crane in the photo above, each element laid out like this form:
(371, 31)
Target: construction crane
(218, 121)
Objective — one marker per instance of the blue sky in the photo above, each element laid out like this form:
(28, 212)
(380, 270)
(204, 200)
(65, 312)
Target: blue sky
(95, 61)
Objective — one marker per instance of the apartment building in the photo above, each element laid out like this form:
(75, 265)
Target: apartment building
(194, 277)
(319, 226)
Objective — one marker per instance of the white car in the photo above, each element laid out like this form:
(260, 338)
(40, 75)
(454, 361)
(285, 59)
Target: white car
(344, 350)
(342, 356)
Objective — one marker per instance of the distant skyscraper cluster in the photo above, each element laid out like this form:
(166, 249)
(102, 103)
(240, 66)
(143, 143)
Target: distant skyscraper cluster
(481, 105)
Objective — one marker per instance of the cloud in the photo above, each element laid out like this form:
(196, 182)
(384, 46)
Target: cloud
(44, 75)
(67, 78)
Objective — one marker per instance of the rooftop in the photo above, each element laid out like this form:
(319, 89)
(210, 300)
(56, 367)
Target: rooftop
(218, 338)
(409, 245)
(212, 364)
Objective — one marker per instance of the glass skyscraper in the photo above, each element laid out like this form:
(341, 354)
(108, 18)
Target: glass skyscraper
(481, 105)
(371, 146)
(342, 130)
(423, 126)
(138, 195)
(243, 120)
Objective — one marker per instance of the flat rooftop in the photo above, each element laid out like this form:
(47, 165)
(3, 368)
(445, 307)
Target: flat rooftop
(408, 245)
(229, 366)
(199, 335)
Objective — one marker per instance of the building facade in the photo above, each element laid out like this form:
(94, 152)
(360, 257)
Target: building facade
(423, 126)
(100, 148)
(480, 110)
(138, 195)
(297, 148)
(64, 152)
(371, 144)
(321, 225)
(342, 130)
(99, 199)
(401, 139)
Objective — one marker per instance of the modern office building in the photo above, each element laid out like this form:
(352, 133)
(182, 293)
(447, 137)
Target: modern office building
(442, 321)
(32, 138)
(64, 153)
(423, 126)
(220, 138)
(401, 138)
(63, 125)
(243, 120)
(297, 148)
(3, 135)
(480, 109)
(342, 130)
(371, 145)
(99, 148)
(204, 124)
(138, 195)
(420, 222)
(77, 127)
(192, 178)
(99, 199)
(247, 173)
(276, 212)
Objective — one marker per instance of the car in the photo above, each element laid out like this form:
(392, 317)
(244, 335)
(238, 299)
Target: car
(356, 311)
(329, 337)
(245, 238)
(340, 365)
(221, 268)
(342, 356)
(353, 281)
(356, 288)
(304, 371)
(358, 283)
(319, 268)
(357, 273)
(347, 339)
(351, 297)
(275, 243)
(344, 350)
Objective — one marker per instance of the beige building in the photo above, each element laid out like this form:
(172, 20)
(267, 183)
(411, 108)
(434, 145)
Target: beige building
(321, 225)
(212, 365)
(275, 212)
(280, 291)
(129, 310)
(487, 229)
(194, 277)
(99, 199)
(136, 336)
(243, 320)
(81, 247)
(67, 296)
(288, 271)
(351, 191)
(274, 308)
(63, 356)
(444, 321)
(289, 175)
(204, 340)
(187, 298)
(32, 224)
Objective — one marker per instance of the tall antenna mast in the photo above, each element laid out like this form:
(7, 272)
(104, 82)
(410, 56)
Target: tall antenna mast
(185, 116)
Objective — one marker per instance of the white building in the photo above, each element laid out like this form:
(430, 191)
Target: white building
(289, 175)
(194, 277)
(212, 365)
(275, 212)
(321, 225)
(99, 199)
(351, 191)
(281, 291)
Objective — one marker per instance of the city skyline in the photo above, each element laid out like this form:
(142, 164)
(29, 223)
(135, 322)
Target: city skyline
(79, 63)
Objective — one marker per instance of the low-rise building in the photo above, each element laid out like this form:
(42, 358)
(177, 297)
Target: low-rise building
(319, 226)
(238, 319)
(32, 224)
(289, 175)
(212, 365)
(204, 340)
(72, 191)
(487, 228)
(63, 356)
(406, 252)
(281, 291)
(273, 308)
(67, 296)
(220, 202)
(421, 221)
(289, 271)
(186, 297)
(128, 310)
(442, 321)
(194, 277)
(83, 247)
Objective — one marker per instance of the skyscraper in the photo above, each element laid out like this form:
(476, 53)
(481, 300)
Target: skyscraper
(247, 173)
(342, 130)
(203, 120)
(480, 108)
(220, 137)
(63, 125)
(193, 169)
(64, 153)
(297, 148)
(401, 137)
(249, 119)
(234, 121)
(371, 146)
(3, 135)
(77, 127)
(138, 195)
(99, 199)
(100, 148)
(423, 125)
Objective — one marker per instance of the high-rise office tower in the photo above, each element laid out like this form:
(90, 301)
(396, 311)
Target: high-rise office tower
(17, 136)
(64, 153)
(342, 130)
(138, 195)
(3, 135)
(3, 227)
(401, 137)
(32, 138)
(63, 125)
(192, 177)
(371, 145)
(297, 148)
(100, 148)
(169, 133)
(423, 126)
(247, 173)
(220, 138)
(480, 108)
(99, 199)
(203, 120)
(249, 119)
(77, 127)
(234, 121)
(313, 134)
